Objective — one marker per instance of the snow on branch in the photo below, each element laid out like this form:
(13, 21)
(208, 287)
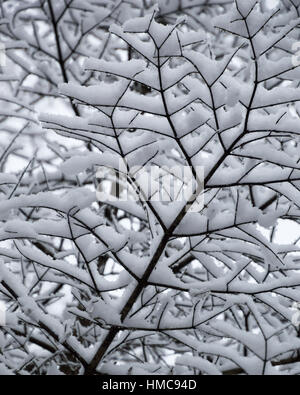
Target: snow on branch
(149, 176)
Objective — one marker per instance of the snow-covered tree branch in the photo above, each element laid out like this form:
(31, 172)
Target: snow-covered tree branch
(98, 96)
